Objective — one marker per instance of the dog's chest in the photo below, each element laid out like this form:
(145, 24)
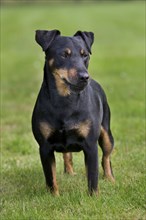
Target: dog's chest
(69, 137)
(64, 141)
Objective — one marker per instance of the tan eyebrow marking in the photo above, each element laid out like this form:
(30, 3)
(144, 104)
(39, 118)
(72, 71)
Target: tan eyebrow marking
(82, 51)
(51, 61)
(62, 88)
(68, 51)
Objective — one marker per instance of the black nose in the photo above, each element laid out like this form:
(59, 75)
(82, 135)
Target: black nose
(83, 76)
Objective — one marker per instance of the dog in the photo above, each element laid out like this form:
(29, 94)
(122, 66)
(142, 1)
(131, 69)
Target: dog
(71, 113)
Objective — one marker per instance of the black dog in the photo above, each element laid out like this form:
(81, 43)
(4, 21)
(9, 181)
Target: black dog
(71, 112)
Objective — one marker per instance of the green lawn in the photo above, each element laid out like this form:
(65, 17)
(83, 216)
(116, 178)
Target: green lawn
(118, 64)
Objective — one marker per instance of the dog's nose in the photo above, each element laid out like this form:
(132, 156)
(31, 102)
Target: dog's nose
(83, 76)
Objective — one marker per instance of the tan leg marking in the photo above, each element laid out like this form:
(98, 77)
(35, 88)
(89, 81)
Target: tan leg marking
(55, 186)
(107, 168)
(107, 149)
(68, 163)
(107, 146)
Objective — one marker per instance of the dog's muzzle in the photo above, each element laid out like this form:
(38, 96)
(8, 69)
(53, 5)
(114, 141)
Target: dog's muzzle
(80, 84)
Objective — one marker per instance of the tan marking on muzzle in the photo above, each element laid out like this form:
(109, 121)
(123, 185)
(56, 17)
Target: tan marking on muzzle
(72, 73)
(83, 128)
(46, 129)
(62, 87)
(62, 73)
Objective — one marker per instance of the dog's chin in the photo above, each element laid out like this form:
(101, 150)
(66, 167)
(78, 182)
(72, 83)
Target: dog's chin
(80, 86)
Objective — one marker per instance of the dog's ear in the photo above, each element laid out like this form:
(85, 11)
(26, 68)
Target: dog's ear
(88, 38)
(45, 38)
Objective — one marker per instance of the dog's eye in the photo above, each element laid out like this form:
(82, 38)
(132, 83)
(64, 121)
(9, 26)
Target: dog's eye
(85, 56)
(65, 54)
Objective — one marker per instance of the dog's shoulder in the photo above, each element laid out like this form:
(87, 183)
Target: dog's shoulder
(97, 89)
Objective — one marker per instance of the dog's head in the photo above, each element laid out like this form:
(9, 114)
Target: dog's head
(67, 57)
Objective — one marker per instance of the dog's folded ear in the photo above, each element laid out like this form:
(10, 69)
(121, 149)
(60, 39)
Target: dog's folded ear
(88, 38)
(45, 38)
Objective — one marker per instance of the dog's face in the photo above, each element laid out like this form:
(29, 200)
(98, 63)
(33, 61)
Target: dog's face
(67, 57)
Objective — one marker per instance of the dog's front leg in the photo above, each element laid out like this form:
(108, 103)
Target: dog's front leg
(91, 163)
(49, 167)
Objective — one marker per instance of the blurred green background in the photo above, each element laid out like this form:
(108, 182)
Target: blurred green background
(118, 64)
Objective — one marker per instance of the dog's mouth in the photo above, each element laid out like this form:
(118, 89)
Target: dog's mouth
(76, 87)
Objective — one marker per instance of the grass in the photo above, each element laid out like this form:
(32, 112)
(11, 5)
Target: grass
(118, 64)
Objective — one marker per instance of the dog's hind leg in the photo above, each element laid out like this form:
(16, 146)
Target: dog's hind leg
(106, 146)
(106, 143)
(68, 163)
